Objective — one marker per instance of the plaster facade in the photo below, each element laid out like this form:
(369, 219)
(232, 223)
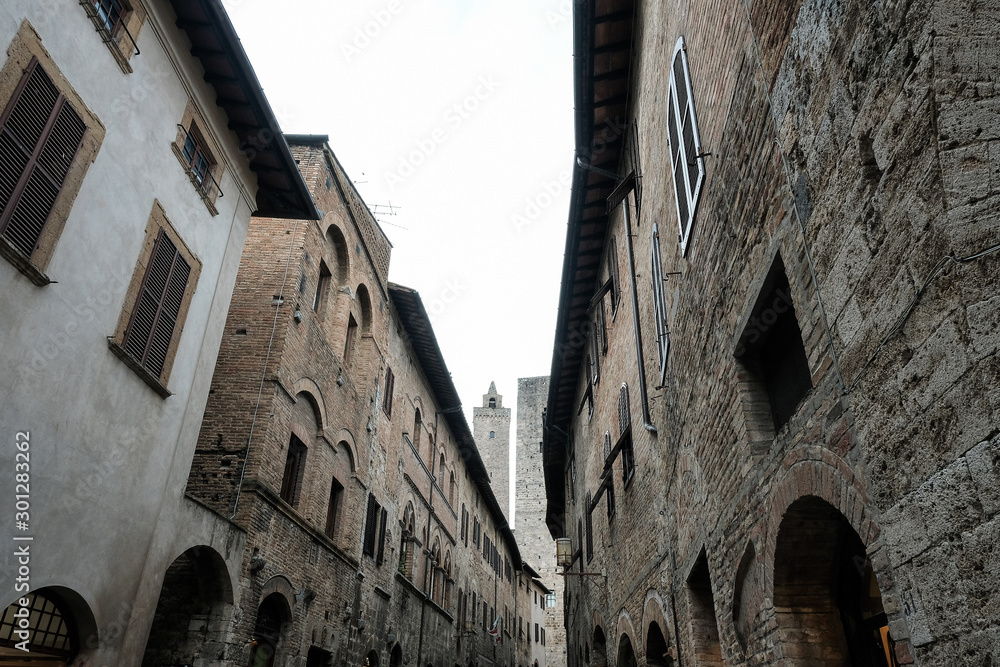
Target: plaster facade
(107, 443)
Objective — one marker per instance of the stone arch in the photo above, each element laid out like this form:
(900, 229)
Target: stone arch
(273, 619)
(599, 656)
(824, 588)
(345, 439)
(196, 600)
(626, 652)
(306, 387)
(408, 542)
(656, 630)
(70, 629)
(282, 586)
(396, 656)
(703, 624)
(339, 259)
(448, 580)
(365, 307)
(371, 660)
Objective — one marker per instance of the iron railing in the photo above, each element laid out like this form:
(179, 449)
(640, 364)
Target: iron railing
(203, 183)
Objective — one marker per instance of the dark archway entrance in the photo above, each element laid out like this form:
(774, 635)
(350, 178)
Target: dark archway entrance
(626, 654)
(195, 600)
(824, 589)
(656, 647)
(272, 615)
(371, 660)
(599, 658)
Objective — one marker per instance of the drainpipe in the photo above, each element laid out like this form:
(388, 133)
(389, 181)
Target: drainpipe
(643, 396)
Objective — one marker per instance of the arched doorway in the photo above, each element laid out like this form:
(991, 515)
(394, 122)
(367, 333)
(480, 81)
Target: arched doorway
(600, 654)
(195, 601)
(272, 615)
(371, 660)
(657, 654)
(49, 626)
(626, 655)
(824, 589)
(396, 656)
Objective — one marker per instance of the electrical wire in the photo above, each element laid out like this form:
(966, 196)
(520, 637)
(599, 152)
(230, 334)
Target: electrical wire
(901, 320)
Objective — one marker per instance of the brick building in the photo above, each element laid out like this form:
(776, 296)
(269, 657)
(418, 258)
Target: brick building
(335, 439)
(530, 529)
(135, 143)
(772, 436)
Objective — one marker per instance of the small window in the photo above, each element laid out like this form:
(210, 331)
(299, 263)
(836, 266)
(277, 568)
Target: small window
(686, 158)
(156, 304)
(333, 508)
(493, 402)
(295, 465)
(610, 494)
(48, 139)
(660, 307)
(613, 276)
(390, 385)
(590, 528)
(625, 435)
(550, 599)
(493, 434)
(118, 24)
(196, 153)
(352, 329)
(771, 349)
(321, 286)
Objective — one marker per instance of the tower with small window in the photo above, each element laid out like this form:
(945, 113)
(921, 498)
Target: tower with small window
(491, 428)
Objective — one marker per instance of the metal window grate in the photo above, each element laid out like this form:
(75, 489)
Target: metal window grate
(49, 630)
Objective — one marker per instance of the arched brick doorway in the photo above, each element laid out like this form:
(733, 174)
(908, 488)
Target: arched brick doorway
(827, 602)
(657, 654)
(272, 616)
(599, 658)
(626, 654)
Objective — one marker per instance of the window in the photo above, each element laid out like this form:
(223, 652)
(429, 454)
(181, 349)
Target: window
(493, 434)
(352, 328)
(686, 158)
(625, 438)
(493, 402)
(543, 636)
(380, 552)
(611, 499)
(295, 465)
(660, 307)
(321, 287)
(118, 24)
(196, 153)
(590, 529)
(772, 351)
(615, 287)
(536, 633)
(371, 526)
(336, 493)
(390, 384)
(417, 427)
(550, 599)
(48, 139)
(156, 303)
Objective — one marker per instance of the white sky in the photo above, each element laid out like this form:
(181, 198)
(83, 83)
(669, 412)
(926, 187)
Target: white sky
(461, 113)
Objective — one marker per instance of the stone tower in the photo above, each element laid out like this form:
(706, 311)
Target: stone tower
(491, 429)
(537, 546)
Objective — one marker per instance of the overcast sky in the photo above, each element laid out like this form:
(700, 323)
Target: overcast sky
(460, 113)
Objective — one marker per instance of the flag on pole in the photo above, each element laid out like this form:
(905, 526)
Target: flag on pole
(495, 630)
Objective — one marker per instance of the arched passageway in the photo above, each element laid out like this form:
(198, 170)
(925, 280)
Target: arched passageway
(51, 627)
(599, 656)
(626, 654)
(272, 616)
(825, 590)
(656, 647)
(195, 603)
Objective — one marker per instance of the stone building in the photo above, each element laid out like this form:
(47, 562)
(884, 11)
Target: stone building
(537, 545)
(135, 142)
(772, 436)
(491, 428)
(335, 439)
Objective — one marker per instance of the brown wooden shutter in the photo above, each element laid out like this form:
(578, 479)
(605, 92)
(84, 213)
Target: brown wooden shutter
(39, 137)
(371, 525)
(381, 539)
(291, 480)
(390, 382)
(613, 275)
(151, 326)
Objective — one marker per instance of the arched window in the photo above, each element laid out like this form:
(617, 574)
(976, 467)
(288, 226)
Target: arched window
(451, 488)
(493, 434)
(417, 427)
(493, 402)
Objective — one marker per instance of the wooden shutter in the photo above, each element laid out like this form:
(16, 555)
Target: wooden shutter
(371, 524)
(381, 538)
(390, 383)
(291, 480)
(660, 307)
(590, 529)
(39, 138)
(151, 327)
(616, 290)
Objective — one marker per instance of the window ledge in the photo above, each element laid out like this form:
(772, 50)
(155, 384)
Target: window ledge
(204, 192)
(22, 263)
(118, 46)
(139, 369)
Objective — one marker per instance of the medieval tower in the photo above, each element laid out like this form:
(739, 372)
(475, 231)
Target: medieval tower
(537, 546)
(491, 429)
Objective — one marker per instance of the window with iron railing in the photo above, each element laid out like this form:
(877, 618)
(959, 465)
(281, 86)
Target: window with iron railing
(195, 150)
(118, 24)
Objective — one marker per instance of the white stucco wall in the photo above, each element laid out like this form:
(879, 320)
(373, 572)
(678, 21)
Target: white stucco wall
(110, 457)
